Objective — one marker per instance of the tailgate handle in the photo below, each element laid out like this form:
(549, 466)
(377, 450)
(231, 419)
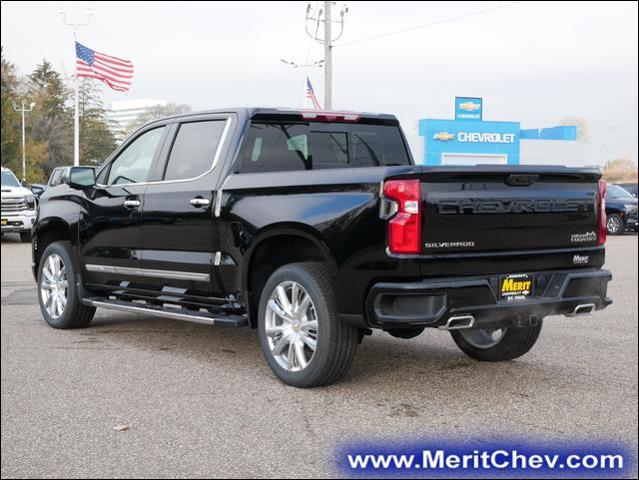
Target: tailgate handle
(521, 180)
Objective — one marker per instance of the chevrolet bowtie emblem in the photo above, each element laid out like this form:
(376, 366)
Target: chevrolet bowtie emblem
(443, 136)
(469, 106)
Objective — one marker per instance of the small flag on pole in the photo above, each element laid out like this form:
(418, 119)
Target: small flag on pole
(310, 94)
(113, 71)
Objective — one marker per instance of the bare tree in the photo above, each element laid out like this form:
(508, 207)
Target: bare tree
(583, 134)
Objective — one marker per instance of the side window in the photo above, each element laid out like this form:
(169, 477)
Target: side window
(55, 178)
(194, 149)
(134, 163)
(275, 147)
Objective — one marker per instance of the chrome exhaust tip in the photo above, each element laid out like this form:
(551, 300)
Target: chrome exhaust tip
(459, 322)
(583, 309)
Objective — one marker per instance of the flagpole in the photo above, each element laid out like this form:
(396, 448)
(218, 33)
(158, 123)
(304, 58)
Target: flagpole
(304, 91)
(76, 118)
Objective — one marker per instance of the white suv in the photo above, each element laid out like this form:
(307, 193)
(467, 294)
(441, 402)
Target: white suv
(18, 207)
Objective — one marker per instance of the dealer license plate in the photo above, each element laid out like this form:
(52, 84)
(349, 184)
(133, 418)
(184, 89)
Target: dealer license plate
(4, 222)
(517, 286)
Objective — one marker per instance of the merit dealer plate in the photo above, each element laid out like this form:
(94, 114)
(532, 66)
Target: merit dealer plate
(516, 287)
(4, 221)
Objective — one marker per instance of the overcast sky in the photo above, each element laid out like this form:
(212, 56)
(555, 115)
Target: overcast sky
(531, 62)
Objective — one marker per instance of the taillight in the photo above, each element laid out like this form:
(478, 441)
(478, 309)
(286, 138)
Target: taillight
(602, 212)
(404, 228)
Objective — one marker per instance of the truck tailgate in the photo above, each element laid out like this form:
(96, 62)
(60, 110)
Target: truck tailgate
(484, 209)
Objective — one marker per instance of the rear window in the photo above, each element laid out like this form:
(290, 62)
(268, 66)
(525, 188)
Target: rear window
(288, 146)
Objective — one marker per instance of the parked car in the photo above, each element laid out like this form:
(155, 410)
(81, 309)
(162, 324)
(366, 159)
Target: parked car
(630, 187)
(316, 228)
(18, 207)
(621, 210)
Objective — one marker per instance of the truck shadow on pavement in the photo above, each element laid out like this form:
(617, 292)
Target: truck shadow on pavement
(429, 361)
(429, 358)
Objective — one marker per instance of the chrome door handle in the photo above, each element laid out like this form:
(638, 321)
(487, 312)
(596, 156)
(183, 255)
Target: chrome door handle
(132, 203)
(200, 202)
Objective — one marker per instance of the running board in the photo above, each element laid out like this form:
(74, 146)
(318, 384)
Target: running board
(175, 314)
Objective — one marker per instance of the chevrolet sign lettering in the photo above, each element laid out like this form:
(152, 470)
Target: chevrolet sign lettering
(499, 206)
(476, 137)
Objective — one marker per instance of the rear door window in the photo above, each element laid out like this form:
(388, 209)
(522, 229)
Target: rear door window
(194, 149)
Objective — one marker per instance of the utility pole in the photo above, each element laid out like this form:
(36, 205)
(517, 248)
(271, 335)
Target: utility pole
(22, 110)
(324, 15)
(76, 118)
(328, 58)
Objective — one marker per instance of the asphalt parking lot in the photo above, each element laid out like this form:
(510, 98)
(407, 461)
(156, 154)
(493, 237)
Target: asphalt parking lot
(200, 401)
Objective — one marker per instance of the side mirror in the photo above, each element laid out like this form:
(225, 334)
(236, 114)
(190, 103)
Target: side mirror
(37, 190)
(81, 178)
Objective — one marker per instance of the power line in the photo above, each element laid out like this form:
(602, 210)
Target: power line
(438, 22)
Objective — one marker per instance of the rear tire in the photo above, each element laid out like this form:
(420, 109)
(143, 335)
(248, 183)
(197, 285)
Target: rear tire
(514, 342)
(317, 348)
(615, 224)
(25, 237)
(58, 293)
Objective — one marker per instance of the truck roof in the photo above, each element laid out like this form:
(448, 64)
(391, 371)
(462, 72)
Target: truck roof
(287, 112)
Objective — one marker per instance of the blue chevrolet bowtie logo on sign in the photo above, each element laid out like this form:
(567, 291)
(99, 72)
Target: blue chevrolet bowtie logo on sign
(468, 108)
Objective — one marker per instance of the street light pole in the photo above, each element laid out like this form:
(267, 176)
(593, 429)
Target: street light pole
(76, 117)
(22, 110)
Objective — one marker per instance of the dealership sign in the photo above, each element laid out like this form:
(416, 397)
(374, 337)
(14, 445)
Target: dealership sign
(448, 138)
(468, 108)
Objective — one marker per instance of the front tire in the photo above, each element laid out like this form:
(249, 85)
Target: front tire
(615, 224)
(497, 345)
(303, 341)
(25, 237)
(58, 294)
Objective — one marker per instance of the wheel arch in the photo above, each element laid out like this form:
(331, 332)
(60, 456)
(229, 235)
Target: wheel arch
(46, 232)
(281, 244)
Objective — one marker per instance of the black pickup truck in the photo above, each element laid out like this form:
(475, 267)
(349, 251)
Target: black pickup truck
(316, 228)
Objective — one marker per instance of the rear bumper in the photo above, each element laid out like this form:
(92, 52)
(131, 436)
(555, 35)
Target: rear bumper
(431, 302)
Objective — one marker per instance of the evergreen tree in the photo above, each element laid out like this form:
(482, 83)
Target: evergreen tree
(97, 141)
(10, 131)
(51, 121)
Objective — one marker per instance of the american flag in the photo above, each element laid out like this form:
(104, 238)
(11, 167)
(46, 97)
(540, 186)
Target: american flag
(113, 71)
(310, 94)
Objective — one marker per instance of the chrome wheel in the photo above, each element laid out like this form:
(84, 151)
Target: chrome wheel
(482, 337)
(291, 326)
(613, 224)
(53, 286)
